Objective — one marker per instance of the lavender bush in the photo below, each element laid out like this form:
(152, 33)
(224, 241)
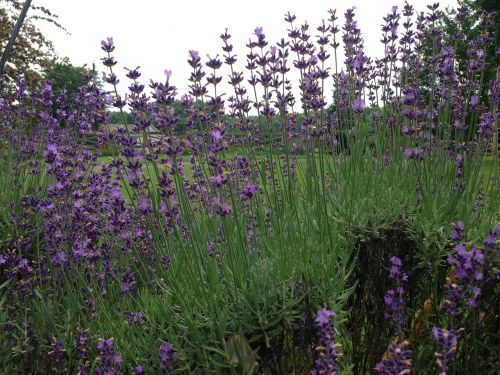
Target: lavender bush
(209, 249)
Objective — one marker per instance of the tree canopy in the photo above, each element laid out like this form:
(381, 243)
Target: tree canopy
(32, 51)
(63, 75)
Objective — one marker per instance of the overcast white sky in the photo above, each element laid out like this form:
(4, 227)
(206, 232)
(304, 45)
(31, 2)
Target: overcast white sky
(157, 35)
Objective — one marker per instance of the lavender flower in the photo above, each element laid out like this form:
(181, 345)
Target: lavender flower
(486, 125)
(358, 105)
(414, 153)
(168, 358)
(447, 343)
(134, 318)
(457, 234)
(57, 356)
(394, 298)
(398, 361)
(110, 363)
(327, 349)
(474, 100)
(128, 282)
(108, 45)
(469, 266)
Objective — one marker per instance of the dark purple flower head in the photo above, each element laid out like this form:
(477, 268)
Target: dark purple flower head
(108, 45)
(128, 282)
(447, 345)
(217, 135)
(143, 205)
(359, 62)
(414, 153)
(168, 358)
(396, 272)
(47, 93)
(486, 125)
(358, 105)
(398, 361)
(323, 317)
(408, 152)
(116, 193)
(140, 370)
(468, 269)
(51, 153)
(218, 180)
(394, 298)
(259, 31)
(493, 237)
(109, 61)
(110, 363)
(326, 364)
(111, 78)
(195, 55)
(458, 231)
(290, 17)
(473, 101)
(133, 73)
(134, 318)
(57, 355)
(249, 190)
(222, 209)
(419, 153)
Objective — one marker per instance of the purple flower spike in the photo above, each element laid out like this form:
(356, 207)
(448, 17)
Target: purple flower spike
(469, 277)
(108, 45)
(195, 55)
(485, 126)
(408, 152)
(57, 354)
(394, 298)
(326, 364)
(168, 358)
(398, 361)
(51, 153)
(259, 31)
(457, 234)
(128, 282)
(474, 100)
(415, 153)
(109, 361)
(358, 105)
(143, 205)
(492, 237)
(249, 191)
(447, 343)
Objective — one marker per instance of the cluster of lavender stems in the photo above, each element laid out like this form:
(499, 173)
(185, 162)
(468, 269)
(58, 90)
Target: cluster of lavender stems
(107, 232)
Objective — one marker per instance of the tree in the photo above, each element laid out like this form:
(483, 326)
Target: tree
(116, 117)
(462, 26)
(32, 51)
(64, 75)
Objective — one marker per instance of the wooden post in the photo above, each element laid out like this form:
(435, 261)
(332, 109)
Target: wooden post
(13, 35)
